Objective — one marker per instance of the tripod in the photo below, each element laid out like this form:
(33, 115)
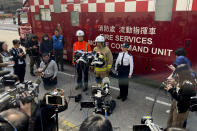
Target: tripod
(56, 114)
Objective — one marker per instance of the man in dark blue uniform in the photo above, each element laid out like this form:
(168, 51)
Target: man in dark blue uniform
(58, 47)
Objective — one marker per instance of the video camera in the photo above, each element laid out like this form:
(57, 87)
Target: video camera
(147, 125)
(11, 97)
(102, 100)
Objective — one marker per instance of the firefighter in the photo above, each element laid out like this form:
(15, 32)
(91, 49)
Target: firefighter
(101, 48)
(124, 66)
(82, 68)
(32, 48)
(58, 46)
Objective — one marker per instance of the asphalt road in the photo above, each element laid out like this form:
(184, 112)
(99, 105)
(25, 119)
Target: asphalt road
(9, 27)
(125, 115)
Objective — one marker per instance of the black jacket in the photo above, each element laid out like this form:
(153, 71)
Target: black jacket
(30, 44)
(14, 52)
(183, 96)
(46, 46)
(45, 114)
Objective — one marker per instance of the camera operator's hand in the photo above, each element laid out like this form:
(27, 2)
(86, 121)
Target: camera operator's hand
(168, 87)
(39, 70)
(26, 108)
(171, 81)
(60, 90)
(171, 67)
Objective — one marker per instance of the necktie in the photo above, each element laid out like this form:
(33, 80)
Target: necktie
(122, 59)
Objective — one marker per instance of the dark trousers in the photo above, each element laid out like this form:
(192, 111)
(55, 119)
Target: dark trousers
(20, 70)
(123, 73)
(49, 81)
(59, 58)
(82, 72)
(34, 60)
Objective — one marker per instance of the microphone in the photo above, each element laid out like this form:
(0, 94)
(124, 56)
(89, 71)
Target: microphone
(106, 82)
(2, 73)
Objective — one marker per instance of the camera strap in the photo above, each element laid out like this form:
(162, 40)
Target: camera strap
(46, 66)
(40, 74)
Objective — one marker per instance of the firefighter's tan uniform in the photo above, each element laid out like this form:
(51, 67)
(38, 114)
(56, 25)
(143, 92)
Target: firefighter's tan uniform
(102, 72)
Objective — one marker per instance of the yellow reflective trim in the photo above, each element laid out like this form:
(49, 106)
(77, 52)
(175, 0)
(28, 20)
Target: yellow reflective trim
(109, 66)
(100, 69)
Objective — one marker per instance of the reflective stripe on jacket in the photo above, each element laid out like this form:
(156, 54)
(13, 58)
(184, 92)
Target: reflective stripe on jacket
(107, 57)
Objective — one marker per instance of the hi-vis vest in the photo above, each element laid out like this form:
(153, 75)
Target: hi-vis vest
(107, 57)
(85, 46)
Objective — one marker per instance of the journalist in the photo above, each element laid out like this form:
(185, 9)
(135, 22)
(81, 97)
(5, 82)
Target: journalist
(6, 64)
(32, 48)
(96, 123)
(48, 69)
(45, 114)
(182, 88)
(16, 119)
(19, 60)
(181, 58)
(46, 45)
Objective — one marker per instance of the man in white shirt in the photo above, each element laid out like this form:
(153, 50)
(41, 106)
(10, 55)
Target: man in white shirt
(124, 66)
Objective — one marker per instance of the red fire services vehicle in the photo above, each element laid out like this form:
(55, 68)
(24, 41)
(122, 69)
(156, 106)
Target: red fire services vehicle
(153, 28)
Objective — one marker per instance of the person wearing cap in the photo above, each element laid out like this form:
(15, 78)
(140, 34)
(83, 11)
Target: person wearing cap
(19, 60)
(102, 72)
(124, 66)
(32, 48)
(181, 58)
(48, 70)
(58, 47)
(81, 69)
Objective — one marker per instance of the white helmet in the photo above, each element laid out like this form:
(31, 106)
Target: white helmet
(100, 38)
(80, 33)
